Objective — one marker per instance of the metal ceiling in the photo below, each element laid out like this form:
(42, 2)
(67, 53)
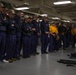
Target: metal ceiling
(47, 7)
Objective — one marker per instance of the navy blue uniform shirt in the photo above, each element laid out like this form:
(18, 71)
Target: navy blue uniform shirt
(36, 26)
(3, 22)
(26, 28)
(11, 28)
(18, 23)
(44, 27)
(62, 29)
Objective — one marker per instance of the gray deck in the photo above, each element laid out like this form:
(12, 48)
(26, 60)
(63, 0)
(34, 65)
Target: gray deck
(39, 65)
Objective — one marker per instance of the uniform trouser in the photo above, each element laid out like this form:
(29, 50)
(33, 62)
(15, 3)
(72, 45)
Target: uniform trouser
(68, 40)
(10, 47)
(2, 45)
(56, 44)
(73, 40)
(59, 43)
(34, 43)
(26, 45)
(63, 40)
(51, 43)
(18, 44)
(44, 42)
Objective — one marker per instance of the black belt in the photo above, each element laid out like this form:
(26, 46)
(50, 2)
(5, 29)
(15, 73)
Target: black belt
(2, 31)
(53, 33)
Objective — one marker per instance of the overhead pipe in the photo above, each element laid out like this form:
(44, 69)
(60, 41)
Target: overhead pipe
(47, 6)
(26, 11)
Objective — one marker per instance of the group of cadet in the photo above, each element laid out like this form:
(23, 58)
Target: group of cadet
(57, 36)
(17, 31)
(22, 32)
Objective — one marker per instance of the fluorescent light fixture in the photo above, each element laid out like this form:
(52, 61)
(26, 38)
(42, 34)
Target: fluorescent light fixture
(22, 8)
(66, 21)
(55, 18)
(62, 2)
(44, 15)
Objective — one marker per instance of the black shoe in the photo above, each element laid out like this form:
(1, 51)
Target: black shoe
(37, 53)
(44, 52)
(10, 60)
(20, 55)
(68, 55)
(25, 57)
(55, 51)
(51, 52)
(28, 56)
(60, 48)
(33, 54)
(18, 58)
(14, 59)
(64, 48)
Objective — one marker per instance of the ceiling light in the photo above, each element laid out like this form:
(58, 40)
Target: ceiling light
(66, 21)
(22, 8)
(44, 15)
(62, 2)
(55, 18)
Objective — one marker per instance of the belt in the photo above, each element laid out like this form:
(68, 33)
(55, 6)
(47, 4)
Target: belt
(54, 33)
(2, 31)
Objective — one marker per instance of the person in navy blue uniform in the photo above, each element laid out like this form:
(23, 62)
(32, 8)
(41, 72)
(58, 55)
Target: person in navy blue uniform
(44, 35)
(62, 34)
(36, 33)
(32, 36)
(11, 37)
(18, 17)
(73, 36)
(3, 25)
(26, 36)
(68, 35)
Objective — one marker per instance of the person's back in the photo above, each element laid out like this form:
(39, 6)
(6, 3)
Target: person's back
(73, 31)
(53, 29)
(62, 29)
(44, 35)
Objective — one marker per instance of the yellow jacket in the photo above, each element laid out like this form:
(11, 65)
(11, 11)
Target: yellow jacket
(53, 29)
(73, 31)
